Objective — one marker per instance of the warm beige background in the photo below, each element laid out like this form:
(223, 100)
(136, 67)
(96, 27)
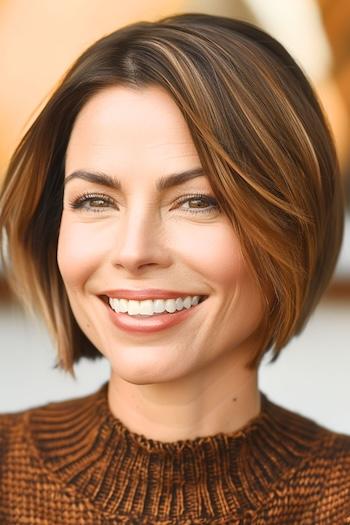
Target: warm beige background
(39, 39)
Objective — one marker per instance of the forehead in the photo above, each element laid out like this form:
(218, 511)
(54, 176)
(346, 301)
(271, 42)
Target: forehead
(125, 126)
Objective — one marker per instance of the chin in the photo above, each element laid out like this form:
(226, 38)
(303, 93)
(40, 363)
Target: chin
(143, 369)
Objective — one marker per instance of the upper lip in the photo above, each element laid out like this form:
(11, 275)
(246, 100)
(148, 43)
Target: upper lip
(149, 293)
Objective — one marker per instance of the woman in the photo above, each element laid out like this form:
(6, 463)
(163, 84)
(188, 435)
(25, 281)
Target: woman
(176, 208)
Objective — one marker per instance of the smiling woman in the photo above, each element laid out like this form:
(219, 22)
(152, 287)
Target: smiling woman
(176, 208)
(141, 244)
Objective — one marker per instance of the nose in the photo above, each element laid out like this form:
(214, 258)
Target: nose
(140, 240)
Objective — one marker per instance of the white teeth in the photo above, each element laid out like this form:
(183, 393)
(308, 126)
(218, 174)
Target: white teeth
(133, 307)
(170, 306)
(188, 302)
(113, 303)
(152, 307)
(146, 307)
(179, 304)
(158, 306)
(123, 305)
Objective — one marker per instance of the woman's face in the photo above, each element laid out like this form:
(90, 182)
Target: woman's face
(125, 227)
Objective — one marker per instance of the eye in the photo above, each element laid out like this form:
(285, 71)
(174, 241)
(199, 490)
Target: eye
(94, 202)
(99, 202)
(199, 203)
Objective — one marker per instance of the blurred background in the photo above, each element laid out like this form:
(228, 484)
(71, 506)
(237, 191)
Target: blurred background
(38, 41)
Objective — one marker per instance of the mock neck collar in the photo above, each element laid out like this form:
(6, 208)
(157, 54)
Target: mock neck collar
(91, 452)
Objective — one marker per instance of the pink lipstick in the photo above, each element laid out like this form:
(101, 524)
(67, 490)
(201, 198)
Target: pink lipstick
(150, 324)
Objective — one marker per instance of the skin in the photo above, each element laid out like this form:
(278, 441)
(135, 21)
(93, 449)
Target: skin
(189, 380)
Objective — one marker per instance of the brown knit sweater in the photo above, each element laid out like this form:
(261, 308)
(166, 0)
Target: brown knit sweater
(74, 463)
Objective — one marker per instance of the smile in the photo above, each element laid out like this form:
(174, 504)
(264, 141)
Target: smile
(153, 307)
(158, 314)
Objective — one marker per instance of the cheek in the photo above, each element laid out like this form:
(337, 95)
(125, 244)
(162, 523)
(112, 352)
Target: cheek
(77, 253)
(215, 252)
(217, 255)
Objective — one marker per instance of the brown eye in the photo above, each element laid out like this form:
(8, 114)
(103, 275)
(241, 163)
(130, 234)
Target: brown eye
(199, 204)
(97, 203)
(93, 202)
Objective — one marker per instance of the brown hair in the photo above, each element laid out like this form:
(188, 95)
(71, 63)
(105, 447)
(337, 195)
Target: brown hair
(261, 138)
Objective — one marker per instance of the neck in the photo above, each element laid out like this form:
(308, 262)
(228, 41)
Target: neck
(222, 398)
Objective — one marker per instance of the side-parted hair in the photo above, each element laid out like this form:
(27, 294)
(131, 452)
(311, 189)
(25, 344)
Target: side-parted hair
(261, 138)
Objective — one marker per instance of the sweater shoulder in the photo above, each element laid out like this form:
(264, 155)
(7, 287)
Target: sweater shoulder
(11, 425)
(325, 457)
(17, 423)
(10, 420)
(318, 446)
(329, 466)
(327, 443)
(318, 476)
(334, 449)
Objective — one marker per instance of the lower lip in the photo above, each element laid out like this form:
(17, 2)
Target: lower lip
(152, 324)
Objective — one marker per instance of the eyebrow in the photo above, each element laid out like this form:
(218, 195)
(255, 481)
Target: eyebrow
(109, 181)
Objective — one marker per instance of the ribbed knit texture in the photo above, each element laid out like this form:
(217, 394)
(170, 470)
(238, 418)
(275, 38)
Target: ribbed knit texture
(74, 463)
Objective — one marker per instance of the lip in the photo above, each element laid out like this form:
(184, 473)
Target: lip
(143, 325)
(149, 293)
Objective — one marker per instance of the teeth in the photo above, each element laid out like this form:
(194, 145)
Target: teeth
(151, 307)
(179, 303)
(170, 306)
(146, 307)
(188, 302)
(123, 305)
(133, 308)
(158, 306)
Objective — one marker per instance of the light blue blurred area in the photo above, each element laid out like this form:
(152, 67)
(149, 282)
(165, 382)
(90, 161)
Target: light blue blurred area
(312, 375)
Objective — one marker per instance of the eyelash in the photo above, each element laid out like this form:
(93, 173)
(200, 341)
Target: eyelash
(82, 201)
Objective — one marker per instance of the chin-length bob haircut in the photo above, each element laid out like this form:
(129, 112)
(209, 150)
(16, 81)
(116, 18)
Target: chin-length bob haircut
(261, 138)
